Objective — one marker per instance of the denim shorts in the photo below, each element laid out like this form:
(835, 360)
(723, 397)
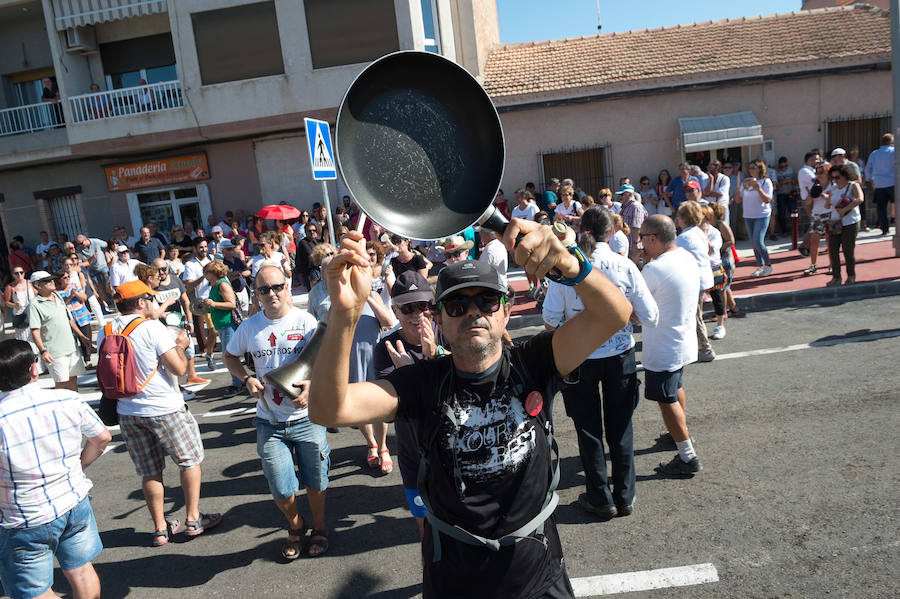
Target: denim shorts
(282, 445)
(415, 503)
(26, 554)
(662, 386)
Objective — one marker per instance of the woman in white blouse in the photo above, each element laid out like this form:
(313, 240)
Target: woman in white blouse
(844, 199)
(755, 194)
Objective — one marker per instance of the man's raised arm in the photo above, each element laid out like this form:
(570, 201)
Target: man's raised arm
(606, 309)
(333, 401)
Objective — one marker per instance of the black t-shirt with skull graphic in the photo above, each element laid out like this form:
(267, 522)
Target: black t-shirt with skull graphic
(490, 474)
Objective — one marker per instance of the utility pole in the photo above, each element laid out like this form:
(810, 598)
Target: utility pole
(895, 74)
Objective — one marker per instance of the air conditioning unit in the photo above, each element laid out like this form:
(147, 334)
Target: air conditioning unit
(769, 152)
(82, 40)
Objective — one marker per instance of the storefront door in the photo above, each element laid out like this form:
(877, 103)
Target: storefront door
(169, 207)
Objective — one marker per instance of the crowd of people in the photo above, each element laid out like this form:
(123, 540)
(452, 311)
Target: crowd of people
(413, 333)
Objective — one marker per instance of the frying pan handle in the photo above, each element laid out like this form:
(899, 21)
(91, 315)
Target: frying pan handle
(497, 223)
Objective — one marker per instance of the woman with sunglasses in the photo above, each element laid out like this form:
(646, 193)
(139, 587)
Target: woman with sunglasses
(305, 249)
(70, 289)
(664, 206)
(111, 253)
(16, 297)
(255, 229)
(222, 303)
(844, 199)
(755, 194)
(816, 203)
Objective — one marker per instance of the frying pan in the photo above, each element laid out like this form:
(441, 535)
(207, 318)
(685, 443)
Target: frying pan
(420, 146)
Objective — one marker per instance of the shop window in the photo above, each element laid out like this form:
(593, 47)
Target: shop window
(350, 31)
(588, 168)
(254, 49)
(66, 220)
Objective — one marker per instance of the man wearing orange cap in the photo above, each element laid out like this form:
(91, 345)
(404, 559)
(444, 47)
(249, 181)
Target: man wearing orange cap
(155, 420)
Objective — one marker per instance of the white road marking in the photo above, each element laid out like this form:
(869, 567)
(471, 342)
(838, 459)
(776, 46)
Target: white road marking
(644, 580)
(110, 447)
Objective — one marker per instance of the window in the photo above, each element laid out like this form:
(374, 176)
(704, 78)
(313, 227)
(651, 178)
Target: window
(861, 133)
(588, 168)
(236, 43)
(430, 23)
(150, 57)
(66, 220)
(350, 31)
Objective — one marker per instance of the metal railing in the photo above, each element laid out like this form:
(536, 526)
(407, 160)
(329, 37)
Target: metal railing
(30, 118)
(154, 97)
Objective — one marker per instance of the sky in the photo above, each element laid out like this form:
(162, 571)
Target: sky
(539, 20)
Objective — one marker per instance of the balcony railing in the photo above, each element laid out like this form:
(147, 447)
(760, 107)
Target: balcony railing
(154, 97)
(34, 117)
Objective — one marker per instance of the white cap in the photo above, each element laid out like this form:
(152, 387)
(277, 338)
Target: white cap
(838, 152)
(40, 275)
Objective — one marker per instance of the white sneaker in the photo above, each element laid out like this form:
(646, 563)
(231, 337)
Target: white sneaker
(718, 333)
(188, 395)
(767, 270)
(757, 272)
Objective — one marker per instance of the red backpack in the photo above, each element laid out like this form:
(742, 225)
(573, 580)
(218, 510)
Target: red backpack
(116, 368)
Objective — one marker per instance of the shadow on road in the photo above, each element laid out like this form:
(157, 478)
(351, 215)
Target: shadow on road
(359, 585)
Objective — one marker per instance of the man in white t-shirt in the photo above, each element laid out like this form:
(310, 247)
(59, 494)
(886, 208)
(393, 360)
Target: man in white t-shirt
(122, 270)
(671, 275)
(274, 337)
(806, 176)
(197, 287)
(42, 248)
(525, 206)
(155, 421)
(494, 253)
(718, 187)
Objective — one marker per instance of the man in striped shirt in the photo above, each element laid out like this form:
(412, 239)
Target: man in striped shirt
(44, 506)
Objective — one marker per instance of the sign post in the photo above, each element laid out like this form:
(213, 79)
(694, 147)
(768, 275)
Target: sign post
(321, 159)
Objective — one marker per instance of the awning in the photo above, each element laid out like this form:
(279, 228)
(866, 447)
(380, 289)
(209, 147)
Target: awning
(76, 13)
(720, 131)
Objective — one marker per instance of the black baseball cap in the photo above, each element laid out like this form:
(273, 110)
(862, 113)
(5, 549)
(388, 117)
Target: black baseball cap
(410, 287)
(468, 273)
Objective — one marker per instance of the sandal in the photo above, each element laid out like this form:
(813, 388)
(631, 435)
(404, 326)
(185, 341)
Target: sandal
(387, 464)
(373, 461)
(291, 549)
(162, 537)
(195, 528)
(318, 539)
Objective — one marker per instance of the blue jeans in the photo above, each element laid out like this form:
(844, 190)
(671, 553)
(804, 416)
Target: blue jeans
(26, 554)
(756, 228)
(279, 445)
(225, 336)
(616, 376)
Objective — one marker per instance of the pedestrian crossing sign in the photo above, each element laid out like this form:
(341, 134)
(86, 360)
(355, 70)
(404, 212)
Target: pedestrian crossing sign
(321, 155)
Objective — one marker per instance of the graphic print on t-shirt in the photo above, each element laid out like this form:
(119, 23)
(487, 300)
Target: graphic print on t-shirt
(494, 439)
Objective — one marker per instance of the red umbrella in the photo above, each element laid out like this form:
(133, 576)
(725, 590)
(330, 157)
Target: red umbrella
(279, 212)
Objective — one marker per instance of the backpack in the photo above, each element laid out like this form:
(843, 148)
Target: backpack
(116, 367)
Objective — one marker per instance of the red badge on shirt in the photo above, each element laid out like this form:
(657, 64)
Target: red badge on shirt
(534, 403)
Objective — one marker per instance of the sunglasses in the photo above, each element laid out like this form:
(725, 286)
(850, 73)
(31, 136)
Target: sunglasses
(265, 289)
(458, 305)
(413, 307)
(163, 271)
(18, 272)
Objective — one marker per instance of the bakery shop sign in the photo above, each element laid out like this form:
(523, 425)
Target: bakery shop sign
(150, 173)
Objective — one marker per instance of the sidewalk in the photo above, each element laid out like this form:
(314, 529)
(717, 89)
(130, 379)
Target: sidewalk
(877, 273)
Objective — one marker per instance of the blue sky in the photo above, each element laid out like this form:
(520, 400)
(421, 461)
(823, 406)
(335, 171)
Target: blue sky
(538, 20)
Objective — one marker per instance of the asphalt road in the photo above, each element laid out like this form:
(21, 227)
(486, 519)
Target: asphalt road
(798, 496)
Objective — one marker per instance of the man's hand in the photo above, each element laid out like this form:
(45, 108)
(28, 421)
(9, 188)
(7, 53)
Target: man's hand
(301, 400)
(48, 359)
(255, 387)
(348, 276)
(426, 334)
(539, 251)
(399, 356)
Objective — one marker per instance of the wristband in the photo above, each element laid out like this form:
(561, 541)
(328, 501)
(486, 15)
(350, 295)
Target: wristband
(585, 268)
(247, 378)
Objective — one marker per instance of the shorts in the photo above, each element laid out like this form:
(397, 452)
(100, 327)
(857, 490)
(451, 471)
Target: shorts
(662, 386)
(26, 554)
(819, 223)
(283, 445)
(65, 367)
(150, 438)
(415, 503)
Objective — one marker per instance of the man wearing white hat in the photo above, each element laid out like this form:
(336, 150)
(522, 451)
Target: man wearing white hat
(122, 269)
(51, 328)
(455, 248)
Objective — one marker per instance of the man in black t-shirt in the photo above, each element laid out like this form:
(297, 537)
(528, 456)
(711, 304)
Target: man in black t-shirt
(480, 414)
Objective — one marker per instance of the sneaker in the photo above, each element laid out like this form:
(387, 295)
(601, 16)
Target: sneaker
(706, 356)
(766, 271)
(811, 270)
(850, 281)
(678, 467)
(623, 510)
(718, 333)
(197, 380)
(187, 395)
(604, 513)
(210, 362)
(757, 272)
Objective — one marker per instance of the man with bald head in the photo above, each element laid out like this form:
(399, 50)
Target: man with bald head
(671, 275)
(273, 337)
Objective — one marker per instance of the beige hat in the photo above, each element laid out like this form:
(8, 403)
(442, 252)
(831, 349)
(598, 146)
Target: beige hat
(453, 244)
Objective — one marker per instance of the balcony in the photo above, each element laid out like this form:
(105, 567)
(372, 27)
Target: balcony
(31, 118)
(128, 101)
